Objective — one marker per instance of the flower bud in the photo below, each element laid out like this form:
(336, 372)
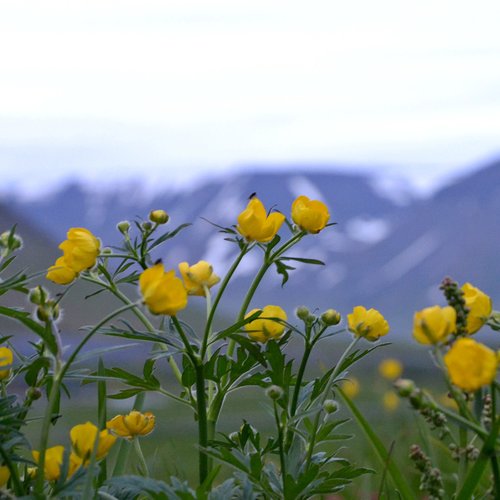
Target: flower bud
(404, 386)
(10, 241)
(33, 393)
(274, 392)
(331, 317)
(123, 226)
(147, 226)
(330, 406)
(106, 251)
(37, 295)
(234, 437)
(158, 216)
(302, 313)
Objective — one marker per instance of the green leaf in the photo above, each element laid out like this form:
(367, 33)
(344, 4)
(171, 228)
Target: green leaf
(315, 262)
(167, 236)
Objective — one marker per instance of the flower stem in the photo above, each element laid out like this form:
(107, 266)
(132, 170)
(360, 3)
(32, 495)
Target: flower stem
(142, 460)
(202, 423)
(281, 447)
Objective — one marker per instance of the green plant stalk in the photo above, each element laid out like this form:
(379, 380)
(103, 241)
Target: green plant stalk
(300, 376)
(102, 416)
(383, 455)
(220, 293)
(54, 392)
(202, 424)
(281, 448)
(326, 391)
(140, 455)
(201, 403)
(474, 476)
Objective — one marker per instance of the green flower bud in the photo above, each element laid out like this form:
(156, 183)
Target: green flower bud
(302, 313)
(331, 317)
(234, 437)
(106, 251)
(158, 216)
(147, 226)
(274, 392)
(330, 406)
(33, 393)
(37, 295)
(123, 226)
(404, 386)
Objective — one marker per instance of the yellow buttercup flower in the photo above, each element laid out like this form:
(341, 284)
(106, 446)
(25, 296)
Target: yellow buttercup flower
(350, 387)
(390, 368)
(471, 364)
(60, 272)
(434, 324)
(310, 215)
(6, 359)
(479, 305)
(264, 328)
(53, 462)
(369, 324)
(158, 216)
(81, 249)
(390, 400)
(162, 291)
(132, 425)
(198, 276)
(83, 437)
(4, 475)
(255, 225)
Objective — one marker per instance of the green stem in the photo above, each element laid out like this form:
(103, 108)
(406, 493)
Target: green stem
(54, 393)
(324, 397)
(222, 288)
(142, 460)
(300, 376)
(281, 447)
(202, 423)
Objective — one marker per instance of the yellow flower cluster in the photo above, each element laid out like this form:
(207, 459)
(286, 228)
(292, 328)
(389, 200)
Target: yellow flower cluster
(269, 325)
(369, 324)
(83, 439)
(255, 224)
(6, 359)
(80, 252)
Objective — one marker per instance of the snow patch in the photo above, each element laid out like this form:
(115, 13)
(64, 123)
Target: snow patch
(395, 189)
(300, 185)
(367, 230)
(410, 257)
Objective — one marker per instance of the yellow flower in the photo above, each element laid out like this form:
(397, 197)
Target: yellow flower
(434, 324)
(390, 369)
(60, 272)
(264, 328)
(310, 215)
(6, 359)
(471, 364)
(53, 461)
(4, 475)
(255, 225)
(479, 305)
(390, 400)
(369, 324)
(131, 425)
(80, 249)
(197, 277)
(350, 387)
(83, 437)
(162, 291)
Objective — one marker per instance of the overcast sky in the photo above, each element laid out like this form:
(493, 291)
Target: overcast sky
(177, 89)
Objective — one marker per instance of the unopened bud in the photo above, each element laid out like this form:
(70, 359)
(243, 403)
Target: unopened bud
(158, 216)
(106, 251)
(33, 393)
(274, 392)
(10, 241)
(330, 406)
(37, 295)
(404, 386)
(234, 437)
(331, 317)
(123, 226)
(147, 226)
(302, 313)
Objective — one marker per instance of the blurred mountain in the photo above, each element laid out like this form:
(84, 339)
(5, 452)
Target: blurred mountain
(389, 250)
